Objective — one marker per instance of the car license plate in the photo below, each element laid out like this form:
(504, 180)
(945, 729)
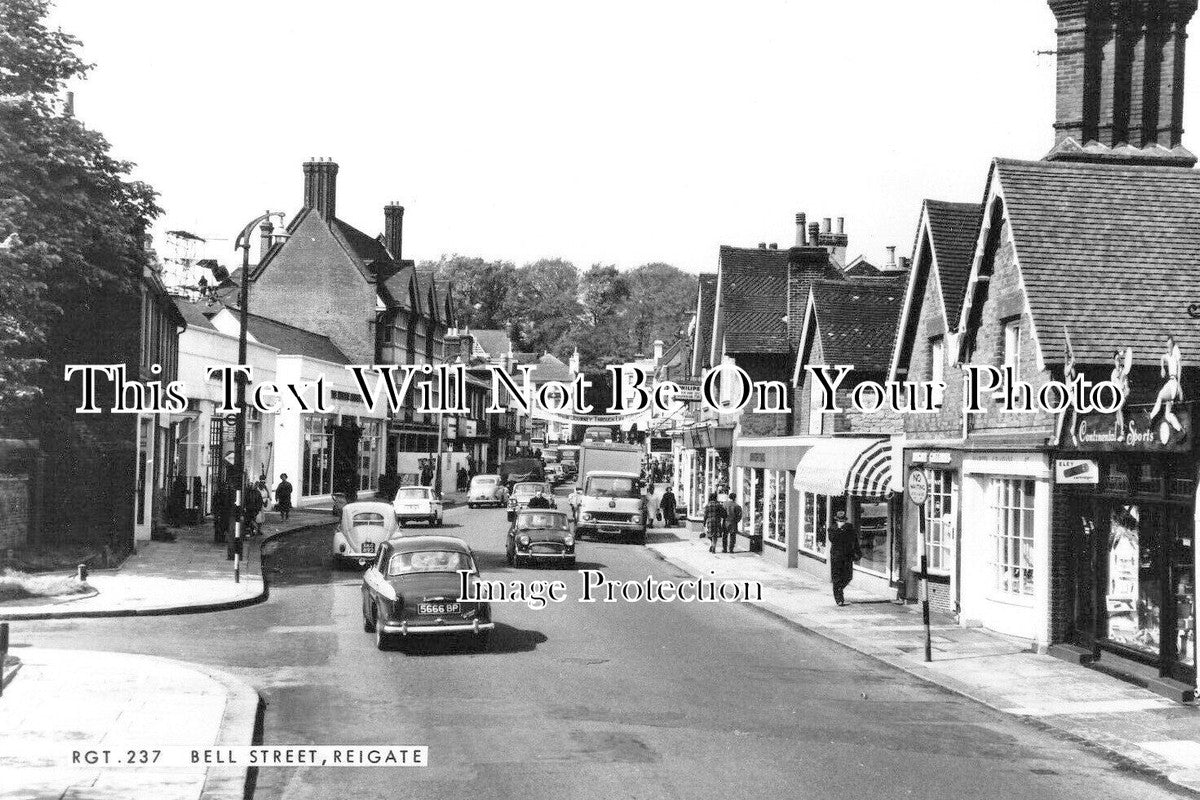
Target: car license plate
(368, 547)
(438, 608)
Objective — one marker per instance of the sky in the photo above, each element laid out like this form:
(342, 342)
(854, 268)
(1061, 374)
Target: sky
(618, 133)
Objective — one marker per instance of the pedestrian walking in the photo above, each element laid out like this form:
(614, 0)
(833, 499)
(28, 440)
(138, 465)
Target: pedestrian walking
(668, 506)
(733, 521)
(844, 551)
(653, 506)
(252, 507)
(220, 513)
(714, 521)
(283, 497)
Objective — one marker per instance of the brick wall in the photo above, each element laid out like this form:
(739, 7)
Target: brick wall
(947, 423)
(1006, 300)
(313, 284)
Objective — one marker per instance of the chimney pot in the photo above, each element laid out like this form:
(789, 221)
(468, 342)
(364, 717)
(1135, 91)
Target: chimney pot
(393, 229)
(801, 233)
(814, 234)
(841, 225)
(827, 225)
(320, 187)
(762, 245)
(773, 246)
(891, 256)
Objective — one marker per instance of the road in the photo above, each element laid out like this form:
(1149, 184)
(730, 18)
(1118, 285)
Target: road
(599, 700)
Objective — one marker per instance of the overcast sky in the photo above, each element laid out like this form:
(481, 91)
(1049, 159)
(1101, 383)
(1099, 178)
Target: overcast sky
(616, 132)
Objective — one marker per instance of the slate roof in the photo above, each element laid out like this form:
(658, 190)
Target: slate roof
(398, 288)
(706, 304)
(293, 341)
(857, 322)
(367, 249)
(953, 229)
(493, 343)
(753, 301)
(1111, 252)
(551, 368)
(193, 314)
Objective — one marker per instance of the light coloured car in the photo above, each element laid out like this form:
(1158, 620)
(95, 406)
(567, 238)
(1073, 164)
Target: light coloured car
(486, 490)
(523, 492)
(362, 529)
(418, 504)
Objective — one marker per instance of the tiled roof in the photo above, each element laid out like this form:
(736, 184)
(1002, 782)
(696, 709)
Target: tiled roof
(1110, 252)
(551, 368)
(953, 228)
(706, 305)
(753, 299)
(493, 343)
(398, 288)
(525, 358)
(367, 249)
(293, 341)
(857, 322)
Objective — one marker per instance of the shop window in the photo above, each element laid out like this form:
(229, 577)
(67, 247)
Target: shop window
(813, 531)
(318, 458)
(939, 521)
(1134, 592)
(873, 536)
(370, 454)
(775, 507)
(1149, 479)
(1012, 537)
(1116, 480)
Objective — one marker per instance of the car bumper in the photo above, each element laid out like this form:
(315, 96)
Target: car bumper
(407, 629)
(414, 516)
(527, 554)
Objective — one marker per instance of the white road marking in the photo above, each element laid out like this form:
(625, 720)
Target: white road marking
(1091, 707)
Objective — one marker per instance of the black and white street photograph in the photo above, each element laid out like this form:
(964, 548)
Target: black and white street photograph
(540, 400)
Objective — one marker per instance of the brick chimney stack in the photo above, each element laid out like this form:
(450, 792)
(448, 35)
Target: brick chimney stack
(320, 187)
(1120, 73)
(393, 229)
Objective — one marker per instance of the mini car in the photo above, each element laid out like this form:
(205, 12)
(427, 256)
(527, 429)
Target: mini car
(555, 474)
(539, 533)
(418, 504)
(413, 588)
(522, 493)
(363, 528)
(486, 490)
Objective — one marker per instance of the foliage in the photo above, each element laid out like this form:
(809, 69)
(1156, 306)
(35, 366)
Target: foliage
(662, 299)
(543, 305)
(480, 288)
(70, 218)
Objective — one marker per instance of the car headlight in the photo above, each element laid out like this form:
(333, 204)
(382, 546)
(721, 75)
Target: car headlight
(634, 517)
(568, 540)
(523, 540)
(587, 516)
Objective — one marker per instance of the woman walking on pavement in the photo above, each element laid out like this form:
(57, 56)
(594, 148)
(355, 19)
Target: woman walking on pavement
(843, 552)
(283, 497)
(714, 521)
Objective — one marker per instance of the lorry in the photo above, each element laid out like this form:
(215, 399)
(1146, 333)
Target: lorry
(609, 492)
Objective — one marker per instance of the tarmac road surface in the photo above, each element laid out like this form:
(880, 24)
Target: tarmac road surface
(601, 700)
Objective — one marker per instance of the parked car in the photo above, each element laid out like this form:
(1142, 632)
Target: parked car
(516, 470)
(555, 474)
(541, 534)
(487, 490)
(413, 589)
(363, 528)
(418, 504)
(522, 493)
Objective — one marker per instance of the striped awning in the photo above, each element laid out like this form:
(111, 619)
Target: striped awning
(860, 467)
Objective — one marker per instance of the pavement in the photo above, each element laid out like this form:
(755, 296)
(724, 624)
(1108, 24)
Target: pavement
(1131, 725)
(187, 575)
(65, 701)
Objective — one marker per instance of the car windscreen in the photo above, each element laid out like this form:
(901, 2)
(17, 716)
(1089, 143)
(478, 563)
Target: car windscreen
(412, 494)
(484, 481)
(528, 488)
(555, 521)
(428, 561)
(600, 486)
(367, 518)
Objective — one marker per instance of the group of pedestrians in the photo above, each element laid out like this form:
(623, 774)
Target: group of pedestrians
(721, 522)
(254, 508)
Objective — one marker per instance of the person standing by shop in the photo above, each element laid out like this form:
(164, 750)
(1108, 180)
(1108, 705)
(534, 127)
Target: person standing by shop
(668, 506)
(283, 497)
(843, 552)
(714, 521)
(733, 521)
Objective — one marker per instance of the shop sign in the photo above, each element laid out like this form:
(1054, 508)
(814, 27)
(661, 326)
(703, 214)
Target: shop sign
(469, 427)
(918, 486)
(920, 457)
(935, 457)
(689, 392)
(1076, 470)
(1134, 431)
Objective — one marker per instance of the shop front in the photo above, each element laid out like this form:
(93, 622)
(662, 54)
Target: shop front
(1128, 513)
(764, 474)
(942, 518)
(854, 474)
(707, 451)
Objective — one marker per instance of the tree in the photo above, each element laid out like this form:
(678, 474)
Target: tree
(71, 222)
(480, 288)
(661, 300)
(543, 305)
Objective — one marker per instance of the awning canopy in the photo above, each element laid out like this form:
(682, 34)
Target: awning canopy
(860, 467)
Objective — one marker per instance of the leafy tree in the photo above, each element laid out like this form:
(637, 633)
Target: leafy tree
(480, 288)
(661, 300)
(71, 222)
(543, 305)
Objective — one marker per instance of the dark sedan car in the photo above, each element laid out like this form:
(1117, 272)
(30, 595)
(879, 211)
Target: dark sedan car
(540, 533)
(413, 589)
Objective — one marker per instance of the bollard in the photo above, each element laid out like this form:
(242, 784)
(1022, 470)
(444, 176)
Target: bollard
(3, 653)
(82, 572)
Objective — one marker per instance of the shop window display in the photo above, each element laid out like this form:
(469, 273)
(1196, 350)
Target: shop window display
(873, 536)
(814, 524)
(1012, 559)
(1133, 592)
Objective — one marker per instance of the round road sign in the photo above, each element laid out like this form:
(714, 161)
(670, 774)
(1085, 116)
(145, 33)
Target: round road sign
(918, 486)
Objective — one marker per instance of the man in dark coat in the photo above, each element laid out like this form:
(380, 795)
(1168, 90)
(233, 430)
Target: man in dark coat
(667, 504)
(714, 521)
(283, 496)
(733, 519)
(843, 552)
(540, 500)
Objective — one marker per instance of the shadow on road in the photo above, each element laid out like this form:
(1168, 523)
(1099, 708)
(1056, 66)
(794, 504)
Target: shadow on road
(505, 639)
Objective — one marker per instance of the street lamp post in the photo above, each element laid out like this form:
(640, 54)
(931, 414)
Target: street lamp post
(239, 436)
